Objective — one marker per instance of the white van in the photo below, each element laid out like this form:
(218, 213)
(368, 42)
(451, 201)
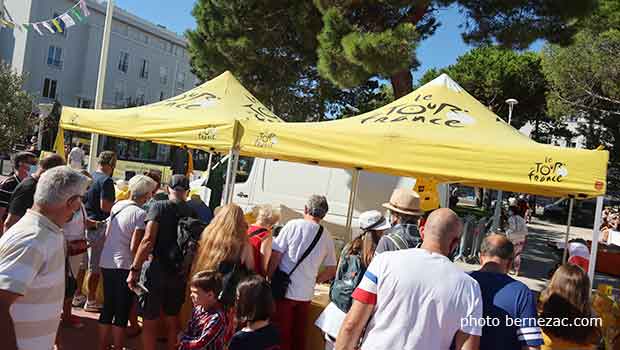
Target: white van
(288, 185)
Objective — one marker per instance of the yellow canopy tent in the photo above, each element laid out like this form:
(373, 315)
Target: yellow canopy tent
(438, 131)
(203, 118)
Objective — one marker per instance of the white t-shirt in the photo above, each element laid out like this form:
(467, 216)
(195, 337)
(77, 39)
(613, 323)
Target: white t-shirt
(116, 252)
(293, 240)
(517, 229)
(76, 156)
(74, 230)
(420, 301)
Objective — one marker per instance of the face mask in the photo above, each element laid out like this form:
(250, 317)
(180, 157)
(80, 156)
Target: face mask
(511, 213)
(32, 170)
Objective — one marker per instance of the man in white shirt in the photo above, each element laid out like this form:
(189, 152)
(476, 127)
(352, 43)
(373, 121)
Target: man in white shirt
(32, 263)
(76, 157)
(416, 298)
(294, 239)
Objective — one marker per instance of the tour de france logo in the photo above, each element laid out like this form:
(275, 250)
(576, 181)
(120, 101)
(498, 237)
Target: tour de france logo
(266, 139)
(73, 120)
(208, 134)
(422, 110)
(548, 171)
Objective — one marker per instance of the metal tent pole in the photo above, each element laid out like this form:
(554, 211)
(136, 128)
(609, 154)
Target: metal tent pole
(498, 211)
(352, 198)
(225, 192)
(209, 164)
(233, 177)
(103, 65)
(596, 232)
(570, 217)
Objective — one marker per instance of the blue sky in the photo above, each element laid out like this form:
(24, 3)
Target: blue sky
(441, 50)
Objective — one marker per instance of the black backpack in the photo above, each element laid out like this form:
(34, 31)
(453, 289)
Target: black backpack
(348, 276)
(189, 231)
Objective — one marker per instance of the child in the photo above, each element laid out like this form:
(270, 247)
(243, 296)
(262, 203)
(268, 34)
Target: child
(255, 306)
(208, 325)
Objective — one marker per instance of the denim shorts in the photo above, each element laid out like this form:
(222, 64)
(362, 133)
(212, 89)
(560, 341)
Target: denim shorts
(96, 239)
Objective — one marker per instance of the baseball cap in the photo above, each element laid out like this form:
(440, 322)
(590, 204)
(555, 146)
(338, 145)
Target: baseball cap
(179, 183)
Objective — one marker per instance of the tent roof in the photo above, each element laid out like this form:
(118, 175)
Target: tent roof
(203, 117)
(437, 131)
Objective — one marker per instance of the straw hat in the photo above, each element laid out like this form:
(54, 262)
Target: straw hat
(404, 201)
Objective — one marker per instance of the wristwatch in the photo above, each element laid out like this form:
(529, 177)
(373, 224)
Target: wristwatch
(134, 269)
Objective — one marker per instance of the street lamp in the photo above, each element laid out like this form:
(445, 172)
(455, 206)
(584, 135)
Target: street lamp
(511, 103)
(498, 204)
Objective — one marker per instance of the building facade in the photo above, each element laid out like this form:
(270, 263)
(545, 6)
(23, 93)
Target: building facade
(146, 62)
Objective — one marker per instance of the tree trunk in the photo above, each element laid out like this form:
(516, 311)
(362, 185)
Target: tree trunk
(402, 83)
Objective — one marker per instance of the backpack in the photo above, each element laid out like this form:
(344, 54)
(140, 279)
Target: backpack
(232, 275)
(189, 231)
(348, 276)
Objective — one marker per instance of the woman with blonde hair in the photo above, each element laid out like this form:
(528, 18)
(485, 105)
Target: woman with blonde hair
(225, 241)
(224, 248)
(568, 297)
(261, 238)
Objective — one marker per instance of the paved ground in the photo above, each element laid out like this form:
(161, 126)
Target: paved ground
(538, 258)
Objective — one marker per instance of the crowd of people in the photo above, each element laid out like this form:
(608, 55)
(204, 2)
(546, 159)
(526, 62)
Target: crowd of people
(394, 285)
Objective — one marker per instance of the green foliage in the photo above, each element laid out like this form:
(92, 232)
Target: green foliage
(271, 47)
(492, 75)
(15, 109)
(584, 80)
(378, 38)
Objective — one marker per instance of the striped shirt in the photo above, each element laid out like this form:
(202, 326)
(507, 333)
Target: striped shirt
(32, 264)
(7, 187)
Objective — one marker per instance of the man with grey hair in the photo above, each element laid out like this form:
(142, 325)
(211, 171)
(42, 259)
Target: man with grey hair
(32, 263)
(298, 239)
(509, 301)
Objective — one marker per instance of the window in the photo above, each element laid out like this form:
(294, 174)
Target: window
(54, 57)
(144, 69)
(140, 97)
(120, 28)
(119, 93)
(84, 103)
(163, 75)
(123, 62)
(181, 80)
(49, 88)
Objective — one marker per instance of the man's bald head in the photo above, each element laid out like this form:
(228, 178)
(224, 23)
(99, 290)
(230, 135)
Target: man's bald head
(442, 226)
(498, 246)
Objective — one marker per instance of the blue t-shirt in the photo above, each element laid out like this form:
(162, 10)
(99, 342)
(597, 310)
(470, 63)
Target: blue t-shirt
(102, 187)
(512, 303)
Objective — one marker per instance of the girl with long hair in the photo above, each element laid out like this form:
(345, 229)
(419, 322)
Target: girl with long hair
(225, 241)
(355, 258)
(568, 297)
(224, 248)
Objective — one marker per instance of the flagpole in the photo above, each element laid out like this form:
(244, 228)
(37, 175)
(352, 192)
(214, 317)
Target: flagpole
(103, 64)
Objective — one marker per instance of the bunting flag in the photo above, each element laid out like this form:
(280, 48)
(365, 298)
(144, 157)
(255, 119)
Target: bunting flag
(69, 22)
(76, 14)
(35, 26)
(84, 8)
(69, 18)
(57, 25)
(48, 27)
(6, 23)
